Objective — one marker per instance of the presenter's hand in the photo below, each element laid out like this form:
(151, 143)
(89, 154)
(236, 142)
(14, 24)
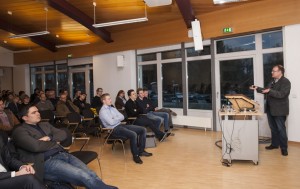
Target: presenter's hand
(265, 91)
(252, 87)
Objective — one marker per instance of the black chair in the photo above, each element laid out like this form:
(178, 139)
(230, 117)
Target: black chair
(47, 116)
(74, 119)
(85, 156)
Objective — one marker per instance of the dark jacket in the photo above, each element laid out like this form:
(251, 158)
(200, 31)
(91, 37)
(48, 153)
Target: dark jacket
(278, 97)
(7, 161)
(119, 103)
(63, 110)
(31, 149)
(145, 105)
(132, 109)
(96, 102)
(82, 105)
(14, 108)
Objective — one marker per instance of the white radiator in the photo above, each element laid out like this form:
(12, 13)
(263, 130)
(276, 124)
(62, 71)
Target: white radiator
(193, 121)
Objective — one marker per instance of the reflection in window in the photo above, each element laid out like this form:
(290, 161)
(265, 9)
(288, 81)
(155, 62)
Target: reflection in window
(36, 69)
(50, 81)
(148, 75)
(61, 67)
(172, 85)
(236, 76)
(146, 57)
(37, 82)
(49, 68)
(171, 54)
(236, 44)
(62, 81)
(78, 81)
(191, 51)
(270, 60)
(199, 84)
(272, 40)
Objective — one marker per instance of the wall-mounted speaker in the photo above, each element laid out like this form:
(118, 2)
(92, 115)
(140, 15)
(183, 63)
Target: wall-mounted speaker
(120, 61)
(197, 35)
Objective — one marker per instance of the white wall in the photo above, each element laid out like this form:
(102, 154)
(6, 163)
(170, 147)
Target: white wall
(112, 78)
(22, 78)
(6, 57)
(291, 39)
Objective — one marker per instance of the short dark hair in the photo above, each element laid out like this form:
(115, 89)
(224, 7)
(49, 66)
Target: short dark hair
(129, 92)
(139, 89)
(24, 111)
(98, 89)
(1, 99)
(104, 96)
(280, 67)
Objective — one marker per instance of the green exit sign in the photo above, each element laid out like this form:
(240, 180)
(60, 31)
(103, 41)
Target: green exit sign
(227, 30)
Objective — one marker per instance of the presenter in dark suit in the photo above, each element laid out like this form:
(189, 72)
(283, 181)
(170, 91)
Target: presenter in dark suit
(14, 173)
(277, 108)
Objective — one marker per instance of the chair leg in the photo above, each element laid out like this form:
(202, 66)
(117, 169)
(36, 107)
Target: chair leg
(123, 150)
(100, 168)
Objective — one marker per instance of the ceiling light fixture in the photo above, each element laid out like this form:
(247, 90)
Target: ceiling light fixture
(227, 1)
(22, 51)
(120, 22)
(33, 33)
(72, 44)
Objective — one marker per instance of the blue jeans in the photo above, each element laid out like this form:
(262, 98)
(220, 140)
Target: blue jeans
(64, 167)
(165, 117)
(133, 133)
(278, 130)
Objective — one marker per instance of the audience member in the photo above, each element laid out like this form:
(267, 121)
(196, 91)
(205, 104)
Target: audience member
(133, 110)
(81, 103)
(111, 118)
(35, 95)
(120, 100)
(64, 106)
(44, 104)
(25, 102)
(7, 119)
(15, 174)
(96, 101)
(51, 95)
(14, 106)
(77, 94)
(39, 143)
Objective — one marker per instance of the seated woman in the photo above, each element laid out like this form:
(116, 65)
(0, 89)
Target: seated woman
(120, 100)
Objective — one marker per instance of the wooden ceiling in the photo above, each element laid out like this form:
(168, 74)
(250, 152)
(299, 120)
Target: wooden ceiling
(30, 16)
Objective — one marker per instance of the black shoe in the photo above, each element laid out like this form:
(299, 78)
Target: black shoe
(271, 147)
(163, 137)
(112, 187)
(169, 134)
(137, 159)
(144, 153)
(284, 152)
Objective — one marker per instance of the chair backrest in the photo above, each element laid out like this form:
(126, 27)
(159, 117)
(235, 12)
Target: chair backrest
(74, 117)
(88, 113)
(47, 115)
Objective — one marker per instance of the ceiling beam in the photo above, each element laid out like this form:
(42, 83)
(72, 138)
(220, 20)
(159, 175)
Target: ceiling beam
(9, 27)
(187, 12)
(76, 14)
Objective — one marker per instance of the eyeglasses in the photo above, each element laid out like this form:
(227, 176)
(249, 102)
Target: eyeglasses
(274, 71)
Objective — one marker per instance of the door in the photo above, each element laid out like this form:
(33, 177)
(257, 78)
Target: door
(233, 76)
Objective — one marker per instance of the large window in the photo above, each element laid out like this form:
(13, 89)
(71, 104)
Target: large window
(172, 85)
(149, 81)
(199, 84)
(236, 44)
(270, 60)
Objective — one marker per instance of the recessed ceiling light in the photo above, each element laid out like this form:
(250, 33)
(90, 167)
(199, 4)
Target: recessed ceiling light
(4, 41)
(57, 36)
(9, 12)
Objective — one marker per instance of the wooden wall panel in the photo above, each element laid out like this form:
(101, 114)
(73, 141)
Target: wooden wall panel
(245, 18)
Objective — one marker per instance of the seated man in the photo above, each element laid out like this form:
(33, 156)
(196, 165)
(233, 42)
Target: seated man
(96, 101)
(38, 143)
(156, 110)
(14, 173)
(7, 119)
(111, 118)
(150, 110)
(64, 106)
(44, 103)
(81, 103)
(133, 110)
